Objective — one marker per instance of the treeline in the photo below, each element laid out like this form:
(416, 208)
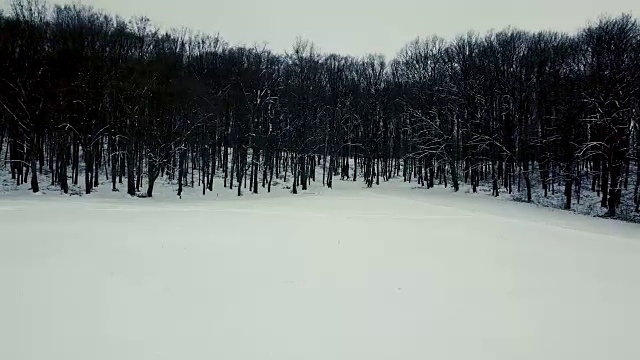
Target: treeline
(86, 94)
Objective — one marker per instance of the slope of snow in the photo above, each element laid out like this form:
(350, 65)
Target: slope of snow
(350, 273)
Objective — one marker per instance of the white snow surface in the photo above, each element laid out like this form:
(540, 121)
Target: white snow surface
(390, 272)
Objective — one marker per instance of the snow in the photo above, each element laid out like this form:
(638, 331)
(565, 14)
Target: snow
(390, 272)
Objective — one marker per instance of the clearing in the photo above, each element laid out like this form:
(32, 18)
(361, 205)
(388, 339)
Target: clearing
(351, 273)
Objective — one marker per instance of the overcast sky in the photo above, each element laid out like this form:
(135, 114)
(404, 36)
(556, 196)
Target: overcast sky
(358, 27)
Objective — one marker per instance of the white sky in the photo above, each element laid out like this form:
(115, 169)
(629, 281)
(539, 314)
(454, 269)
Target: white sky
(358, 27)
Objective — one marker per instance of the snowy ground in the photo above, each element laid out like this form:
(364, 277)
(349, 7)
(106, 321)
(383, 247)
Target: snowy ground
(351, 273)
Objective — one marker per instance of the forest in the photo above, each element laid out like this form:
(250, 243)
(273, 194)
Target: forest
(92, 99)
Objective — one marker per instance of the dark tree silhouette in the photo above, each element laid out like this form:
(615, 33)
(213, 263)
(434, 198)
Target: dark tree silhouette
(87, 94)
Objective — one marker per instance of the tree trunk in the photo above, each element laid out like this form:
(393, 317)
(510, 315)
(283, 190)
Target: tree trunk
(511, 175)
(472, 175)
(2, 143)
(544, 176)
(241, 159)
(154, 172)
(139, 158)
(204, 169)
(54, 165)
(88, 168)
(595, 173)
(225, 163)
(286, 166)
(272, 163)
(527, 180)
(255, 169)
(245, 167)
(444, 175)
(114, 154)
(604, 184)
(303, 171)
(131, 180)
(121, 164)
(193, 167)
(34, 154)
(324, 164)
(627, 165)
(616, 171)
(454, 176)
(637, 188)
(355, 164)
(276, 163)
(568, 189)
(267, 165)
(251, 169)
(294, 169)
(64, 185)
(233, 167)
(330, 174)
(181, 173)
(75, 167)
(212, 168)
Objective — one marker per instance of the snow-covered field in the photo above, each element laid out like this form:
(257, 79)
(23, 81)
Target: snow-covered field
(351, 273)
